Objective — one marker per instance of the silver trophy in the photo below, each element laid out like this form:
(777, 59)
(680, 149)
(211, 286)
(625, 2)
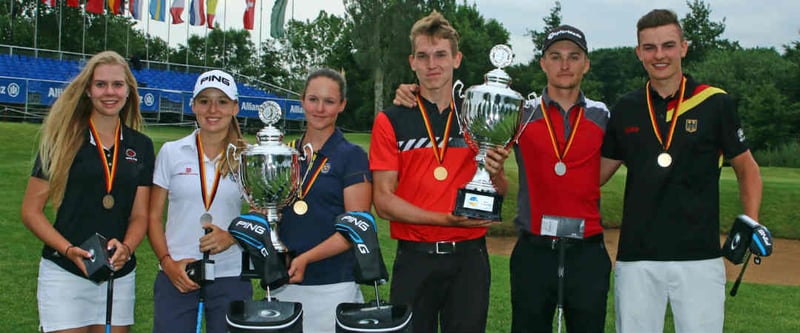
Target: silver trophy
(489, 116)
(267, 172)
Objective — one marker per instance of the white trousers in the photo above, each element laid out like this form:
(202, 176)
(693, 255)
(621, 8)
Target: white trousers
(695, 291)
(319, 302)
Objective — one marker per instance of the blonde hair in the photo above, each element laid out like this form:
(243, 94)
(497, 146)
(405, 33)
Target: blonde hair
(434, 25)
(64, 129)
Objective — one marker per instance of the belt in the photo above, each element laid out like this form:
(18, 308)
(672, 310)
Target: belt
(554, 242)
(444, 247)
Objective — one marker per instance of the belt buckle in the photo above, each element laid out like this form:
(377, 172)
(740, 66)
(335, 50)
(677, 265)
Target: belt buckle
(445, 250)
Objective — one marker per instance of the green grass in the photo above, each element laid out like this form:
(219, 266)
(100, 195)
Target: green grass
(757, 308)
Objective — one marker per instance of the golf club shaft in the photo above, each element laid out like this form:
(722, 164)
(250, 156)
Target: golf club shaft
(562, 253)
(735, 288)
(109, 300)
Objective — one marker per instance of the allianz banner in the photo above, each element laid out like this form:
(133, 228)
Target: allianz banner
(248, 107)
(13, 91)
(44, 92)
(149, 99)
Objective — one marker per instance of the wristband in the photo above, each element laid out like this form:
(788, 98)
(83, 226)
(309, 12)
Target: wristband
(66, 251)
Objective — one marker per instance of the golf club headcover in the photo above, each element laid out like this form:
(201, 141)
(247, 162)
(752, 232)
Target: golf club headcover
(252, 232)
(360, 229)
(761, 244)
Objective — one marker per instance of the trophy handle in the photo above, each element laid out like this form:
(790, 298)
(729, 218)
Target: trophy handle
(232, 156)
(533, 95)
(457, 91)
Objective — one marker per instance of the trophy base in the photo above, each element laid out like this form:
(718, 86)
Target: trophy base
(478, 205)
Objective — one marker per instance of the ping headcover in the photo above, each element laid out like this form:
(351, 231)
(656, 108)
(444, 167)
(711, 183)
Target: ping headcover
(746, 234)
(360, 229)
(252, 232)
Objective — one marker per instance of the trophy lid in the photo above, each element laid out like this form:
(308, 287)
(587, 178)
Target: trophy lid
(500, 56)
(269, 112)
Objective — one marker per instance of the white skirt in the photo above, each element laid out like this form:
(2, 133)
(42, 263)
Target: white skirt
(319, 302)
(68, 301)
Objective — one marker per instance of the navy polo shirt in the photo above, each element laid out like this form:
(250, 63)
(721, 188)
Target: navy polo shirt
(81, 213)
(347, 165)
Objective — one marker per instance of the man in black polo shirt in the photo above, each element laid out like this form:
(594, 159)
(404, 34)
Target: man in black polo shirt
(672, 136)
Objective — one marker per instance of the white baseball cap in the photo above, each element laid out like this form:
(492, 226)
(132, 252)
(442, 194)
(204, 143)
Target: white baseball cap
(216, 79)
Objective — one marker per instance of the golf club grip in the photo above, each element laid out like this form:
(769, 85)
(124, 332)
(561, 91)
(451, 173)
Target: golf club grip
(206, 253)
(109, 301)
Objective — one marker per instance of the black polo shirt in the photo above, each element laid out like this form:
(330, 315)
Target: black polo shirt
(672, 213)
(81, 213)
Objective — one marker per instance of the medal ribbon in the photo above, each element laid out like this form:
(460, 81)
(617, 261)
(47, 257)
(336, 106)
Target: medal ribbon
(560, 154)
(109, 173)
(675, 114)
(438, 152)
(304, 189)
(208, 198)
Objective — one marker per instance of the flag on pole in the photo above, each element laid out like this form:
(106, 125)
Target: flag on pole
(211, 11)
(95, 6)
(73, 3)
(277, 19)
(135, 8)
(176, 11)
(249, 14)
(114, 6)
(197, 12)
(158, 10)
(51, 3)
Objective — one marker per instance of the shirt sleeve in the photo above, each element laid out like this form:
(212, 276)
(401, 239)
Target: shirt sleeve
(161, 172)
(146, 173)
(356, 166)
(383, 152)
(38, 171)
(732, 141)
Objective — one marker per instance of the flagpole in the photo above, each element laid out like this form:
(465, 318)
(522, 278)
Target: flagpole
(260, 27)
(60, 25)
(36, 32)
(83, 37)
(205, 57)
(225, 32)
(187, 48)
(169, 30)
(105, 34)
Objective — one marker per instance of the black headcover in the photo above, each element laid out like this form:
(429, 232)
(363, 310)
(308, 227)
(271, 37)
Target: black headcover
(252, 232)
(361, 230)
(746, 234)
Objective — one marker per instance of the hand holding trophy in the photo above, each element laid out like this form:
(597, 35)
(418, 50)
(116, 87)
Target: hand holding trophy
(489, 117)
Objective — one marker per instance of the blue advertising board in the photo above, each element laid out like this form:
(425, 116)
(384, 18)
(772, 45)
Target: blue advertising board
(149, 99)
(48, 91)
(13, 90)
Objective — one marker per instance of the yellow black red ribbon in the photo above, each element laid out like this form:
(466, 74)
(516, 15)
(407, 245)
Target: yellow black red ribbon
(437, 152)
(108, 173)
(560, 154)
(208, 198)
(656, 130)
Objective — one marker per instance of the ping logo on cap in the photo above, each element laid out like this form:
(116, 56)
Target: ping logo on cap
(215, 78)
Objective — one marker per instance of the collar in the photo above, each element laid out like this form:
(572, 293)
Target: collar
(549, 101)
(91, 138)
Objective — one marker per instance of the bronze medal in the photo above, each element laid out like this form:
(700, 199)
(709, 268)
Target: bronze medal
(108, 201)
(560, 168)
(300, 207)
(664, 160)
(440, 173)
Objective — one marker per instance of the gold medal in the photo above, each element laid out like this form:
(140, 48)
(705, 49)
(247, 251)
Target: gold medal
(664, 160)
(300, 207)
(108, 201)
(440, 173)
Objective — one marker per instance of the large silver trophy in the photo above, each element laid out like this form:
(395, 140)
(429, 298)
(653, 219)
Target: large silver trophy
(489, 117)
(267, 172)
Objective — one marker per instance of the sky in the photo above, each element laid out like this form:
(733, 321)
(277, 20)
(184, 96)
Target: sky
(606, 23)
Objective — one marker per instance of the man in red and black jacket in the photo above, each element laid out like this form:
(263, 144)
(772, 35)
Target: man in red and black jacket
(419, 159)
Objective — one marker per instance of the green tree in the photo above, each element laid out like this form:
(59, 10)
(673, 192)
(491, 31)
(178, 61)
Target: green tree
(551, 21)
(757, 80)
(703, 34)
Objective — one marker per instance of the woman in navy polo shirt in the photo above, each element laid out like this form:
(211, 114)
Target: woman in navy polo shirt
(96, 169)
(335, 179)
(193, 174)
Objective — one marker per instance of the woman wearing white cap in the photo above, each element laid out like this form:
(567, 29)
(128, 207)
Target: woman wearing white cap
(192, 172)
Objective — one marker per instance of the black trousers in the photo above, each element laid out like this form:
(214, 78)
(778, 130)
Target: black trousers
(534, 284)
(450, 291)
